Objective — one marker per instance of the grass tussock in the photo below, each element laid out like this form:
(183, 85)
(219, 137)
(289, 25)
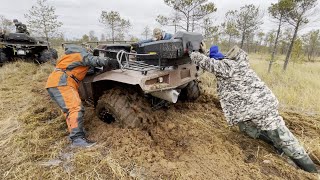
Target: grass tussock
(30, 119)
(190, 141)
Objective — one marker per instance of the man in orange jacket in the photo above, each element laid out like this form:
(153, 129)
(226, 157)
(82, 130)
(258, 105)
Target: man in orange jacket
(63, 84)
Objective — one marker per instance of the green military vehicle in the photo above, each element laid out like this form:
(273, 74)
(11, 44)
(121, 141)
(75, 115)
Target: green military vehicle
(21, 45)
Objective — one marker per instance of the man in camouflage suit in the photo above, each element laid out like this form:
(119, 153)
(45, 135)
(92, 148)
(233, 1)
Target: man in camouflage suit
(20, 28)
(247, 102)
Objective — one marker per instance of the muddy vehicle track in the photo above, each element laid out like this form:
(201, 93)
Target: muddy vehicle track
(125, 106)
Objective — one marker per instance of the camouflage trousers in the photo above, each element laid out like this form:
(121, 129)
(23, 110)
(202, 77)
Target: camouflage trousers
(281, 138)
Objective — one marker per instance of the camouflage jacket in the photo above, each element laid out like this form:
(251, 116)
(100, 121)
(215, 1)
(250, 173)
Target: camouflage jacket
(243, 96)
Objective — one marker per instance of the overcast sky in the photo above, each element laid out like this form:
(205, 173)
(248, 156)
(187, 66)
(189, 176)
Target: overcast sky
(81, 16)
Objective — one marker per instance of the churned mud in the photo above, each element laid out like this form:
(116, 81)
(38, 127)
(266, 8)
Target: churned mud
(192, 141)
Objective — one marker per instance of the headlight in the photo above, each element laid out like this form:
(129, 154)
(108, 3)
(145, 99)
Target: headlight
(160, 79)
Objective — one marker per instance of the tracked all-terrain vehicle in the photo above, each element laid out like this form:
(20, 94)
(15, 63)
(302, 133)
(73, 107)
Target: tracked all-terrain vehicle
(21, 45)
(157, 74)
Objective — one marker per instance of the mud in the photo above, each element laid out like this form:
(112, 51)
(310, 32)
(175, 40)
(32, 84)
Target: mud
(191, 141)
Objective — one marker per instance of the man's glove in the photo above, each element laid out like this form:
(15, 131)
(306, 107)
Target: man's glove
(134, 46)
(111, 64)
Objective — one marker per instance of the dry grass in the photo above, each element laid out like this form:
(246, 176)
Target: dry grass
(185, 144)
(297, 89)
(21, 142)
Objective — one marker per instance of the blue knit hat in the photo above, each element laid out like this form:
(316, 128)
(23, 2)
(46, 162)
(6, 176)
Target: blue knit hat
(214, 53)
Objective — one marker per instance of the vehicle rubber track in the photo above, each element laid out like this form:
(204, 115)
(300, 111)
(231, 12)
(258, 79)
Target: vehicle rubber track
(126, 107)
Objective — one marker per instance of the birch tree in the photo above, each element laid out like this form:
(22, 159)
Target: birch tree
(173, 20)
(189, 12)
(246, 21)
(42, 20)
(115, 23)
(5, 24)
(298, 16)
(146, 32)
(278, 11)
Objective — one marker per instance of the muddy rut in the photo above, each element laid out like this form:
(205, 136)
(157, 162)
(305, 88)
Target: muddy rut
(191, 141)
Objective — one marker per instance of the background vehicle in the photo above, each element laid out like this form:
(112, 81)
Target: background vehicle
(159, 73)
(21, 45)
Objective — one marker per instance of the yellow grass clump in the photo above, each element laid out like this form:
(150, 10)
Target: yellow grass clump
(297, 88)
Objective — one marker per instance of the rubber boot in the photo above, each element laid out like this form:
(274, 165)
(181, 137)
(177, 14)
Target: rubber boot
(258, 134)
(264, 137)
(254, 132)
(291, 147)
(82, 142)
(306, 164)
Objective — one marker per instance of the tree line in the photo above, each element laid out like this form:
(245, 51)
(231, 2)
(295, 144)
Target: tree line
(240, 26)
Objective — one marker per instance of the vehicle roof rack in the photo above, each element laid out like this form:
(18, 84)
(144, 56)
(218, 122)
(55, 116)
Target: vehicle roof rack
(123, 58)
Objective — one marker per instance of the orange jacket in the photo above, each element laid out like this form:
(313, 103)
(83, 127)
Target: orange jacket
(73, 66)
